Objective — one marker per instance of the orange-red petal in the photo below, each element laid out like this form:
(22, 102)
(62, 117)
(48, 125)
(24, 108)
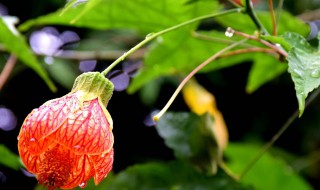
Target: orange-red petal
(86, 131)
(43, 121)
(102, 165)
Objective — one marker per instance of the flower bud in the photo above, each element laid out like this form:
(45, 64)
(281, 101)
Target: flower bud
(69, 140)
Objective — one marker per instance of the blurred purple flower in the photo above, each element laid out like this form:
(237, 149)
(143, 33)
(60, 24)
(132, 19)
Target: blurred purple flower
(26, 173)
(69, 37)
(45, 41)
(3, 10)
(131, 67)
(3, 178)
(119, 79)
(8, 120)
(87, 65)
(148, 120)
(49, 41)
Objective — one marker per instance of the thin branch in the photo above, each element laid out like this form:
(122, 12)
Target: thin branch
(101, 55)
(200, 36)
(152, 36)
(191, 74)
(7, 70)
(266, 147)
(273, 18)
(249, 10)
(248, 50)
(272, 46)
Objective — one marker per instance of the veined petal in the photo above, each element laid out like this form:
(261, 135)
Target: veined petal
(30, 161)
(102, 165)
(82, 171)
(86, 131)
(46, 119)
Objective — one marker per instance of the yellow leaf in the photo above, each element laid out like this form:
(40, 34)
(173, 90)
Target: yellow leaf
(200, 101)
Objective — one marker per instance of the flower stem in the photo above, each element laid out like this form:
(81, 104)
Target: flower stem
(152, 36)
(191, 74)
(249, 10)
(7, 70)
(273, 18)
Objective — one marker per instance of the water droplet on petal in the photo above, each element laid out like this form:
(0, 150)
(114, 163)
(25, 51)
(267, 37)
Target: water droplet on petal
(77, 146)
(315, 73)
(229, 32)
(83, 185)
(32, 140)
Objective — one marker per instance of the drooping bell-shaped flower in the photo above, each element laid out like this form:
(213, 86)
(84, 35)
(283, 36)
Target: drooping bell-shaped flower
(69, 140)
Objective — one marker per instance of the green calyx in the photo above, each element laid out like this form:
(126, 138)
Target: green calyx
(94, 84)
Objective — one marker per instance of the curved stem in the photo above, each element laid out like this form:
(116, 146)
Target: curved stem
(266, 147)
(278, 49)
(152, 36)
(254, 18)
(7, 70)
(273, 18)
(191, 74)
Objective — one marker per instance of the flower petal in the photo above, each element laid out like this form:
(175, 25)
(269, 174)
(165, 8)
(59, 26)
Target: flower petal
(87, 131)
(45, 120)
(82, 171)
(102, 165)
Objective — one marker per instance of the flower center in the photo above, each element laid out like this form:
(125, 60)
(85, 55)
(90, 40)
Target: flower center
(56, 167)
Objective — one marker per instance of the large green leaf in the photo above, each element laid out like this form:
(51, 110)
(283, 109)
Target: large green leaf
(143, 15)
(17, 45)
(191, 137)
(304, 67)
(286, 23)
(269, 172)
(265, 68)
(8, 158)
(173, 175)
(179, 53)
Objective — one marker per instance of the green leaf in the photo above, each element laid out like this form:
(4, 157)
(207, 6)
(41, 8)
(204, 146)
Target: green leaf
(63, 72)
(143, 15)
(304, 67)
(287, 22)
(268, 172)
(173, 175)
(265, 68)
(17, 45)
(191, 137)
(179, 52)
(9, 159)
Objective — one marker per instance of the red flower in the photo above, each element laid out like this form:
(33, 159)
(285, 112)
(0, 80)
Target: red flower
(68, 140)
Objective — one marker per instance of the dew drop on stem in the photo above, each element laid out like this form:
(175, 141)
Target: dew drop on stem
(229, 32)
(149, 35)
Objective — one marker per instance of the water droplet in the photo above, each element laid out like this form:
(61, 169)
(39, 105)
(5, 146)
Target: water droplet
(149, 35)
(83, 185)
(77, 146)
(17, 137)
(229, 32)
(103, 155)
(32, 140)
(70, 121)
(315, 73)
(85, 113)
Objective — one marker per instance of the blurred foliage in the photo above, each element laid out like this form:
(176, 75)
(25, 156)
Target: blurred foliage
(110, 27)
